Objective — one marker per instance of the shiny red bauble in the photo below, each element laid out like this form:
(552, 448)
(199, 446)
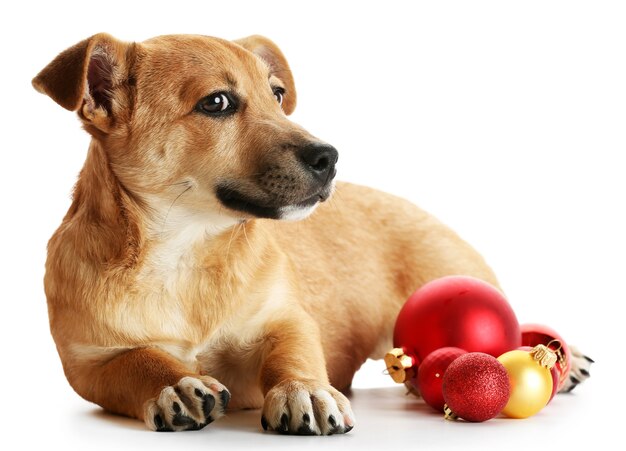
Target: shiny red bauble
(476, 387)
(430, 375)
(456, 311)
(539, 334)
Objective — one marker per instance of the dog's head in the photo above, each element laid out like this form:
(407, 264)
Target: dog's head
(196, 121)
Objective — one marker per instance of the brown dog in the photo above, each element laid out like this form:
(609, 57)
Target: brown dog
(170, 277)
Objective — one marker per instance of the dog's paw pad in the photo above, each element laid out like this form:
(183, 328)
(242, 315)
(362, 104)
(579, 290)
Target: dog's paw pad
(579, 371)
(306, 408)
(191, 404)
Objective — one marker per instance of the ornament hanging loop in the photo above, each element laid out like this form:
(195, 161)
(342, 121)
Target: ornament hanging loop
(543, 355)
(555, 342)
(560, 355)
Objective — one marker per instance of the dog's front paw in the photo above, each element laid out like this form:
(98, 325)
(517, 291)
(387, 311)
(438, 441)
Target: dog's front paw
(306, 408)
(191, 404)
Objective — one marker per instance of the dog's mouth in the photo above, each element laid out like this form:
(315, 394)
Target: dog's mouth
(236, 200)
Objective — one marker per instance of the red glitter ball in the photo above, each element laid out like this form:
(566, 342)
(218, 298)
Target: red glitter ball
(476, 387)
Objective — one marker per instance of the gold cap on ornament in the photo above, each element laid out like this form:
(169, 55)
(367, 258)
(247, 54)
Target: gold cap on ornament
(448, 414)
(544, 356)
(399, 365)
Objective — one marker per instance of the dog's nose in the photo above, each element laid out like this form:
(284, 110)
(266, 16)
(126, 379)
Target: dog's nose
(320, 160)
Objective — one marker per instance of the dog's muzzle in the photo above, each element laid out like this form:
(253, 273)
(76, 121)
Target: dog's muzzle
(289, 187)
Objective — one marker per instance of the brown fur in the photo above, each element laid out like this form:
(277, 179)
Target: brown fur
(150, 279)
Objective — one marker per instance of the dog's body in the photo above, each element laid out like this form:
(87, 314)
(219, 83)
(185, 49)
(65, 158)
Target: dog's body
(170, 279)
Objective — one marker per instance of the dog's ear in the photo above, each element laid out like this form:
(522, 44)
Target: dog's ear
(271, 54)
(86, 77)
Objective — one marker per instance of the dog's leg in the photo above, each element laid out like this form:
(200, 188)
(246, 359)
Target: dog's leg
(149, 384)
(299, 398)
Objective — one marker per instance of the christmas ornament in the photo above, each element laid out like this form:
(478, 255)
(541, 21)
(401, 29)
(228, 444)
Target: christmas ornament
(539, 334)
(430, 375)
(475, 387)
(452, 311)
(401, 367)
(530, 378)
(554, 372)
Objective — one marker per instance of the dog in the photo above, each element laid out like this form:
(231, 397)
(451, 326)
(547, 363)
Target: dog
(201, 259)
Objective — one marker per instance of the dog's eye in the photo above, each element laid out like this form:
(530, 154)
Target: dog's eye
(279, 94)
(217, 104)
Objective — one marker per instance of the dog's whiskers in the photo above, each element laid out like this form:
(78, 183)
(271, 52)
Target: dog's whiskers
(184, 182)
(332, 201)
(254, 252)
(170, 209)
(230, 240)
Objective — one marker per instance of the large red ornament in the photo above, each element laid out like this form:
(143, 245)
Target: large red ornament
(430, 375)
(476, 387)
(458, 311)
(539, 334)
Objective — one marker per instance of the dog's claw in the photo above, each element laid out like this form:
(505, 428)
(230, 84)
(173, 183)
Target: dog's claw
(208, 403)
(183, 420)
(225, 396)
(305, 429)
(284, 424)
(160, 425)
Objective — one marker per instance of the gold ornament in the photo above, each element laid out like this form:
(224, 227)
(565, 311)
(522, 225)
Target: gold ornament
(531, 382)
(399, 365)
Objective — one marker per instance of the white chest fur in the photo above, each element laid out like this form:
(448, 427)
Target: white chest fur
(173, 238)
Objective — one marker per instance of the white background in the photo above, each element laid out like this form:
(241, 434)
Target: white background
(505, 119)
